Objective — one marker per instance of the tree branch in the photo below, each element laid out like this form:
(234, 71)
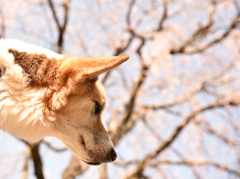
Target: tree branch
(202, 32)
(141, 165)
(120, 50)
(54, 14)
(219, 166)
(36, 160)
(222, 137)
(75, 168)
(27, 153)
(129, 12)
(53, 148)
(61, 28)
(164, 16)
(102, 171)
(176, 101)
(3, 26)
(126, 123)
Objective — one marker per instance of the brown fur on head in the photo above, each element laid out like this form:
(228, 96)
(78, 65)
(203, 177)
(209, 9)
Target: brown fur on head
(41, 70)
(77, 99)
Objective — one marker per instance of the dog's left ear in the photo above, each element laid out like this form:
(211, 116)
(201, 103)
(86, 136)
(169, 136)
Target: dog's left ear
(86, 68)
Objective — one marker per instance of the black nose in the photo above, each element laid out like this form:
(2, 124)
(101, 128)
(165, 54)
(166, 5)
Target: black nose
(113, 155)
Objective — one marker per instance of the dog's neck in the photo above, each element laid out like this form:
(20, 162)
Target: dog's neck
(23, 112)
(27, 117)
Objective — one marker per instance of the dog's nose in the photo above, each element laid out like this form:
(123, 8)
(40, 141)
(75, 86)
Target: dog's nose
(113, 155)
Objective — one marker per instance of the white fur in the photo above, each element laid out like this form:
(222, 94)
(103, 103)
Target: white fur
(21, 108)
(29, 48)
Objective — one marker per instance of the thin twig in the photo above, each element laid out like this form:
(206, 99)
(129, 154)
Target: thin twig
(190, 163)
(27, 153)
(53, 148)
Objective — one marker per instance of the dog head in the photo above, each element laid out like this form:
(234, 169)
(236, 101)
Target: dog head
(78, 124)
(73, 101)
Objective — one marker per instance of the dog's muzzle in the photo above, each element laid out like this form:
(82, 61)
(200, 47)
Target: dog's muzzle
(112, 156)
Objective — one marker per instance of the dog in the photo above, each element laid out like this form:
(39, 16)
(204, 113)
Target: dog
(43, 93)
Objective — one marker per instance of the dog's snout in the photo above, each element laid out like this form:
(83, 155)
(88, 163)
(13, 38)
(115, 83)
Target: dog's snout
(113, 155)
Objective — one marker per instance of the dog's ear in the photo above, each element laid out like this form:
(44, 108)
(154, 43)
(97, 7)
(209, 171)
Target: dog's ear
(77, 69)
(86, 68)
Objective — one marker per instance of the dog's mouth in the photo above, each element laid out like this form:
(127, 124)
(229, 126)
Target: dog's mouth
(93, 163)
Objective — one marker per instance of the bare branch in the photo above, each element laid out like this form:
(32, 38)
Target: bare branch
(102, 171)
(222, 137)
(53, 148)
(190, 163)
(117, 52)
(202, 32)
(237, 6)
(3, 26)
(27, 153)
(61, 28)
(141, 165)
(124, 164)
(122, 129)
(36, 160)
(164, 16)
(129, 12)
(75, 168)
(176, 101)
(54, 14)
(200, 48)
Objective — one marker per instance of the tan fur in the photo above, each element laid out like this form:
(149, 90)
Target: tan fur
(45, 94)
(42, 70)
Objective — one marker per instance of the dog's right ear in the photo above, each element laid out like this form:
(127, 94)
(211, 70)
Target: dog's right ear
(78, 69)
(86, 68)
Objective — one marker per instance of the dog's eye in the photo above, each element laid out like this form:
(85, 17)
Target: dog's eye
(97, 108)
